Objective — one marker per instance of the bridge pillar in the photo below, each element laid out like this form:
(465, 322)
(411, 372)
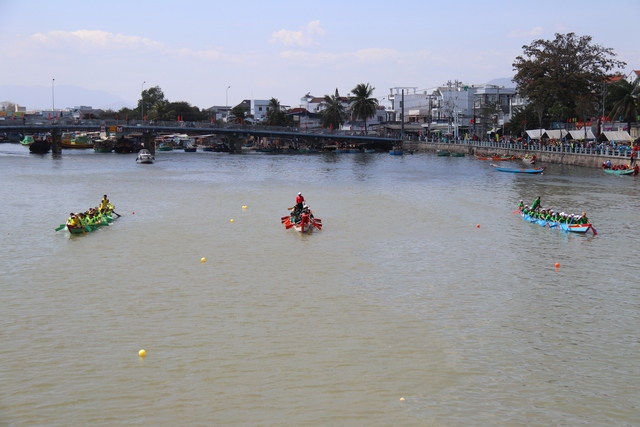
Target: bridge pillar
(56, 141)
(149, 143)
(235, 144)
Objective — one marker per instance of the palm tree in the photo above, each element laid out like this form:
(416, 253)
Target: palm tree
(275, 115)
(625, 97)
(334, 113)
(362, 104)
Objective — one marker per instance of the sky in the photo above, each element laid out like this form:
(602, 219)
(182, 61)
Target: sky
(211, 53)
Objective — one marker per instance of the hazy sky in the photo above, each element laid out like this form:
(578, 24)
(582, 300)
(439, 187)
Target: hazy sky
(194, 50)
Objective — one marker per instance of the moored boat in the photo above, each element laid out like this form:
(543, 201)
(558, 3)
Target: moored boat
(40, 147)
(443, 153)
(515, 170)
(27, 140)
(457, 154)
(529, 159)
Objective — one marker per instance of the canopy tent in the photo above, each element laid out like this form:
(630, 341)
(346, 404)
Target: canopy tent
(579, 134)
(621, 136)
(556, 134)
(536, 133)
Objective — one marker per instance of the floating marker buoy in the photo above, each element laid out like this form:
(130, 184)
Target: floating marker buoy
(402, 399)
(142, 353)
(477, 225)
(133, 213)
(244, 207)
(203, 259)
(231, 220)
(557, 265)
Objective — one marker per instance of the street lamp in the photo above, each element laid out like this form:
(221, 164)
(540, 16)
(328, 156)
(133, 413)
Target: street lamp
(226, 102)
(53, 97)
(142, 101)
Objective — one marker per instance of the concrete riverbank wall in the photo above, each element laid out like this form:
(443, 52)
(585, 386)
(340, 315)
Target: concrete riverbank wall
(590, 160)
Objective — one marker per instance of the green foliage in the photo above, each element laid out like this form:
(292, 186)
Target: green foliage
(363, 105)
(333, 114)
(624, 100)
(275, 115)
(564, 72)
(237, 114)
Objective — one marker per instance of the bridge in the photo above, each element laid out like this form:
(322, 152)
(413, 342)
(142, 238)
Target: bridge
(235, 134)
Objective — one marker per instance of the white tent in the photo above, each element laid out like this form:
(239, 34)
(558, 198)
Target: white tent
(617, 136)
(556, 134)
(536, 133)
(579, 134)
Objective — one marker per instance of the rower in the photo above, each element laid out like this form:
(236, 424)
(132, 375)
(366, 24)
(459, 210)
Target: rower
(299, 201)
(104, 203)
(536, 204)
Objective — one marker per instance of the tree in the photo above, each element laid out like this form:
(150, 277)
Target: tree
(275, 115)
(563, 71)
(150, 97)
(625, 98)
(333, 113)
(237, 114)
(362, 104)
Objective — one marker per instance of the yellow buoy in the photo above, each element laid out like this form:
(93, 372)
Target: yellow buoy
(244, 207)
(203, 259)
(142, 353)
(402, 399)
(232, 220)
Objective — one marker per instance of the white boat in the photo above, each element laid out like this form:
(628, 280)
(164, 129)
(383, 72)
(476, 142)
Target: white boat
(144, 156)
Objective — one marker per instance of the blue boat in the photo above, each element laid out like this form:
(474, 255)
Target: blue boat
(514, 170)
(573, 228)
(396, 152)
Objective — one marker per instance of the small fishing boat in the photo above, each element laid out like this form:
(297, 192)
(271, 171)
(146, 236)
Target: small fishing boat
(27, 140)
(457, 154)
(40, 147)
(529, 159)
(514, 170)
(165, 147)
(190, 148)
(396, 152)
(145, 157)
(443, 153)
(482, 157)
(369, 150)
(503, 157)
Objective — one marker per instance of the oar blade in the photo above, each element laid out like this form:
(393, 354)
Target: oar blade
(61, 227)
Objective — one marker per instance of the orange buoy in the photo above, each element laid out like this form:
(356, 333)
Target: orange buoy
(557, 265)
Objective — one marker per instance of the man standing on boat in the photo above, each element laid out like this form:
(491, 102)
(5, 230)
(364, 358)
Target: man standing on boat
(536, 204)
(299, 202)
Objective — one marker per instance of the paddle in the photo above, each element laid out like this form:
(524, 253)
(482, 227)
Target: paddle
(116, 213)
(595, 233)
(61, 227)
(288, 226)
(284, 218)
(516, 211)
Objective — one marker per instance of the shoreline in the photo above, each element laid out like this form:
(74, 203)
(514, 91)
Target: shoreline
(558, 155)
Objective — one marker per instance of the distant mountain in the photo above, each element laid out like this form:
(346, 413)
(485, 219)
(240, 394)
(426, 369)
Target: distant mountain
(504, 81)
(66, 96)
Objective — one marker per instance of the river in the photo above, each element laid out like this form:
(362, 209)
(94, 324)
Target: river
(423, 301)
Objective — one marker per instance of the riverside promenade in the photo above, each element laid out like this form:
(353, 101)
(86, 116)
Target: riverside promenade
(563, 155)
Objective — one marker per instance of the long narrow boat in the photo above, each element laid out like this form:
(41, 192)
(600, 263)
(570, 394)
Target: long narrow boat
(301, 226)
(571, 228)
(620, 171)
(514, 170)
